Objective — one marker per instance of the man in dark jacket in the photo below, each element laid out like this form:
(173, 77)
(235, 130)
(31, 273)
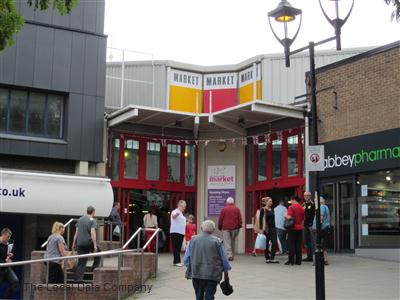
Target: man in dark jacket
(115, 219)
(7, 274)
(230, 222)
(309, 209)
(205, 261)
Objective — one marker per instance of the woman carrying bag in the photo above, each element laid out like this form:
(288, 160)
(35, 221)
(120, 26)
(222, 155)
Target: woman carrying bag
(56, 248)
(267, 225)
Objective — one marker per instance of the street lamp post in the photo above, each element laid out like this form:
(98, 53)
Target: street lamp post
(284, 14)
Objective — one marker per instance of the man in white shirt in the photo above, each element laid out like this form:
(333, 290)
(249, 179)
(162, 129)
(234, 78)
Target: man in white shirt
(280, 213)
(177, 231)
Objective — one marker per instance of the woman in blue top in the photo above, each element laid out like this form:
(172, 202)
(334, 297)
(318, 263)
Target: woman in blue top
(325, 227)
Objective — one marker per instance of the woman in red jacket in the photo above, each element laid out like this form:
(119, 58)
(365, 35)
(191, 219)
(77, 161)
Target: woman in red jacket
(295, 235)
(190, 230)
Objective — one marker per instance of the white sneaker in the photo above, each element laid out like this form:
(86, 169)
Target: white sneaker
(179, 265)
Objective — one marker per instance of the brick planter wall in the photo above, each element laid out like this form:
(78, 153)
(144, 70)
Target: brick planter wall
(133, 260)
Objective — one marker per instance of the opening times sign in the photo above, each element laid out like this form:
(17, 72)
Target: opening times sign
(221, 184)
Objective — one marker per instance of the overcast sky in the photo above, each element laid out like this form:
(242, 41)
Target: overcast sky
(215, 32)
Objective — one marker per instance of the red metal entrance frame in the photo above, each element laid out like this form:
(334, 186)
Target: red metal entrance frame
(179, 190)
(261, 188)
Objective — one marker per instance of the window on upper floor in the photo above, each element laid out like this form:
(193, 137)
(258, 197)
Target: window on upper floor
(30, 113)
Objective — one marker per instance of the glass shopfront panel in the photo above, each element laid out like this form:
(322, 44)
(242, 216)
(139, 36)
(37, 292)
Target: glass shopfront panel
(293, 164)
(174, 162)
(250, 163)
(190, 165)
(153, 161)
(276, 158)
(379, 209)
(262, 162)
(114, 171)
(131, 157)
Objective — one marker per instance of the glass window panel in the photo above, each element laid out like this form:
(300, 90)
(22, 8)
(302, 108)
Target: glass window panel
(54, 115)
(293, 165)
(131, 159)
(153, 161)
(262, 162)
(276, 158)
(250, 163)
(18, 105)
(190, 165)
(37, 104)
(115, 159)
(3, 109)
(174, 162)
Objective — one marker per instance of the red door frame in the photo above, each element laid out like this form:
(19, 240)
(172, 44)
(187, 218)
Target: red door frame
(175, 188)
(284, 181)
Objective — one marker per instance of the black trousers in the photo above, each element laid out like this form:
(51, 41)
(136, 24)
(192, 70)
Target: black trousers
(271, 236)
(56, 273)
(295, 240)
(204, 289)
(307, 240)
(177, 240)
(7, 275)
(80, 269)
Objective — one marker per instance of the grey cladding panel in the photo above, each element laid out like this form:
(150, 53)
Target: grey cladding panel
(90, 12)
(77, 16)
(74, 125)
(100, 16)
(98, 141)
(88, 127)
(25, 55)
(60, 20)
(77, 62)
(19, 147)
(43, 16)
(101, 67)
(43, 57)
(58, 151)
(39, 149)
(7, 65)
(90, 71)
(62, 60)
(4, 146)
(26, 11)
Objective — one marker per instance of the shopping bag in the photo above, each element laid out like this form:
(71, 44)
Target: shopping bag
(261, 241)
(116, 230)
(71, 263)
(183, 248)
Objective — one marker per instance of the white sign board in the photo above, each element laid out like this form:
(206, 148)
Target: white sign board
(315, 158)
(53, 194)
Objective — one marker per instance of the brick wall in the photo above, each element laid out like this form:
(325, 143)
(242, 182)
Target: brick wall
(368, 97)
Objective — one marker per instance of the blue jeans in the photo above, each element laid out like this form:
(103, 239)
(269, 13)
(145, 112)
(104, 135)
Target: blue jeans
(204, 289)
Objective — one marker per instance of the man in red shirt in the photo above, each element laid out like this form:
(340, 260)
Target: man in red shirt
(295, 234)
(230, 221)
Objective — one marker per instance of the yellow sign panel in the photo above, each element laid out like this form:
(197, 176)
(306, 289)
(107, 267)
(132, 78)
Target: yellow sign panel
(247, 79)
(185, 91)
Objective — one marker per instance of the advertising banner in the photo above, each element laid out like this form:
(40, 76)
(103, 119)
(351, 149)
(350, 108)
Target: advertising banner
(250, 84)
(221, 184)
(184, 87)
(224, 91)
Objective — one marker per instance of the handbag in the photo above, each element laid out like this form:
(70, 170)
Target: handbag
(261, 242)
(71, 263)
(226, 287)
(289, 223)
(117, 231)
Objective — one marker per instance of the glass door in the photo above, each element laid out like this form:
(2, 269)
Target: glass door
(340, 199)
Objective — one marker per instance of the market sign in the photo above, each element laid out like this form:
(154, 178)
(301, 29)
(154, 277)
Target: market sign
(185, 91)
(220, 91)
(221, 184)
(250, 84)
(363, 153)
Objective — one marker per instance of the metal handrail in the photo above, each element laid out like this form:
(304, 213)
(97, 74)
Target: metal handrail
(65, 226)
(132, 237)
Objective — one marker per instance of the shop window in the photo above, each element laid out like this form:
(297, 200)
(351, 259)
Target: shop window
(153, 161)
(250, 163)
(131, 159)
(190, 165)
(293, 164)
(30, 113)
(262, 162)
(114, 170)
(174, 162)
(379, 209)
(276, 158)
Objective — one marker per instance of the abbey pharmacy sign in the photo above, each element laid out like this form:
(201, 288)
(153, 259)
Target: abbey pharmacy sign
(363, 153)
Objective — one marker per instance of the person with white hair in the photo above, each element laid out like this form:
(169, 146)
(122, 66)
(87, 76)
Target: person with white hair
(177, 231)
(230, 222)
(205, 260)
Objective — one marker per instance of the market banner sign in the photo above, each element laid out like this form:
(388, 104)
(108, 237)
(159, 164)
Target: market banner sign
(365, 153)
(315, 158)
(250, 84)
(53, 194)
(223, 87)
(221, 183)
(184, 88)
